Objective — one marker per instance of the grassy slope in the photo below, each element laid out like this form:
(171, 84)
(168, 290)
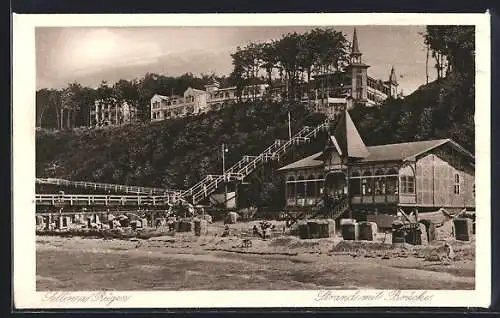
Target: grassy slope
(178, 153)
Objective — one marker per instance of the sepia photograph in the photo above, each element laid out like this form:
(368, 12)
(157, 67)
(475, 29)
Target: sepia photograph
(338, 159)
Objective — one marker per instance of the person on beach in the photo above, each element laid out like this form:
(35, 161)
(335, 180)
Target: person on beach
(111, 218)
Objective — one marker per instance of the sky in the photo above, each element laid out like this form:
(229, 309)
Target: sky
(91, 55)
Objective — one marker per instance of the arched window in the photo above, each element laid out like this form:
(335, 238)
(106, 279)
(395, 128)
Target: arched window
(310, 187)
(456, 186)
(301, 187)
(290, 187)
(355, 184)
(391, 182)
(379, 182)
(367, 183)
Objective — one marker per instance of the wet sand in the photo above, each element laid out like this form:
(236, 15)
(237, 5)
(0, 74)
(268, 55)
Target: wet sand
(214, 263)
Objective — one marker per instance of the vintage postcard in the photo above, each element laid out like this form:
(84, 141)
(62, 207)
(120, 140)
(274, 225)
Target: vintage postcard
(251, 160)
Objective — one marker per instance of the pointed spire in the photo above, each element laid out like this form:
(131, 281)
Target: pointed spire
(355, 46)
(392, 77)
(346, 139)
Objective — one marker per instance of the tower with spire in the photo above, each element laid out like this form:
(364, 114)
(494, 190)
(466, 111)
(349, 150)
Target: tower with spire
(358, 71)
(352, 85)
(393, 83)
(355, 52)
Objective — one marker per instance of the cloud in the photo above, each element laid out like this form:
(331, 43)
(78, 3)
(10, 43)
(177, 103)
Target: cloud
(104, 48)
(90, 55)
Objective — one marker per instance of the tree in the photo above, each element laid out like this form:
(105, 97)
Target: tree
(307, 46)
(288, 48)
(124, 90)
(70, 98)
(43, 104)
(104, 91)
(238, 76)
(55, 99)
(269, 60)
(452, 47)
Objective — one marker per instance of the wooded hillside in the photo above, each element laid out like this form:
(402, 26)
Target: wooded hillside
(177, 153)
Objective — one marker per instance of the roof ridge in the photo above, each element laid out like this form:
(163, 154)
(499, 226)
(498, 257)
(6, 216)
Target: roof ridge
(410, 142)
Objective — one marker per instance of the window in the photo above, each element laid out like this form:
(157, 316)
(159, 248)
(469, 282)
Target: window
(355, 184)
(290, 188)
(379, 182)
(367, 183)
(319, 187)
(407, 184)
(310, 186)
(456, 186)
(359, 85)
(392, 182)
(301, 187)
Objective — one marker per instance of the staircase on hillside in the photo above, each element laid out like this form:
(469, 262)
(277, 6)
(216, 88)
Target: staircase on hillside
(210, 183)
(248, 164)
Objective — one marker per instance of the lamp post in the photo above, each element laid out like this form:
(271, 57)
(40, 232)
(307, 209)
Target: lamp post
(224, 149)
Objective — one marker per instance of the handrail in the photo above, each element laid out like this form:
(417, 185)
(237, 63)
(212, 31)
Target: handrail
(198, 191)
(105, 186)
(247, 164)
(72, 199)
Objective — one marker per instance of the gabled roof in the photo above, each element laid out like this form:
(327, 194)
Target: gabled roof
(402, 151)
(360, 64)
(391, 152)
(310, 161)
(347, 140)
(194, 90)
(227, 88)
(161, 96)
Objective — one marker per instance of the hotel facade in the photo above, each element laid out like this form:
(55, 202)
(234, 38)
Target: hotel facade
(113, 112)
(196, 101)
(345, 88)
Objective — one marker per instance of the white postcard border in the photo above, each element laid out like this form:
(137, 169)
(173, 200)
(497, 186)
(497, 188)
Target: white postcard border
(24, 251)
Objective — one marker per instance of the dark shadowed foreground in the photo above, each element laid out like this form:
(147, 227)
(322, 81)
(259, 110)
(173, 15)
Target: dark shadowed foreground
(93, 264)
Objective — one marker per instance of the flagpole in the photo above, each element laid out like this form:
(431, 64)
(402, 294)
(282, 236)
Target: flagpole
(223, 160)
(223, 148)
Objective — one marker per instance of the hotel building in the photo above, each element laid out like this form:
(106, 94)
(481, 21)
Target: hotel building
(110, 111)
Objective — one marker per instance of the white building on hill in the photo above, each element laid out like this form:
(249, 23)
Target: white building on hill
(326, 92)
(111, 111)
(195, 101)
